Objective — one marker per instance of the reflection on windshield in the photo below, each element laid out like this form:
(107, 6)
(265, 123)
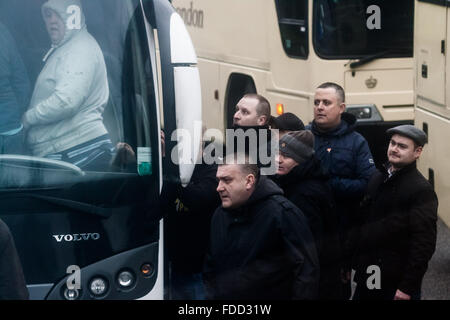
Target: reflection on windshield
(342, 28)
(70, 72)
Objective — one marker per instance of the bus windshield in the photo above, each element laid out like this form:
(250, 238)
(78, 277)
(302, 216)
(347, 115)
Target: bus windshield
(74, 104)
(79, 137)
(350, 29)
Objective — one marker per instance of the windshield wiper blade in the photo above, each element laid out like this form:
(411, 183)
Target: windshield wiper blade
(368, 59)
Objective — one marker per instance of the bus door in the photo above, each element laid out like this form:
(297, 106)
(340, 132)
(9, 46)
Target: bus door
(93, 232)
(430, 53)
(432, 113)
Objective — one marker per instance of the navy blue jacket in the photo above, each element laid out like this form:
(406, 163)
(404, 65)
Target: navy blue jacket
(14, 83)
(346, 158)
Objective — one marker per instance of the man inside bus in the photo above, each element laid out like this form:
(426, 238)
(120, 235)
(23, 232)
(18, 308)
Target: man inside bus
(345, 156)
(12, 280)
(285, 123)
(398, 236)
(64, 119)
(14, 95)
(261, 246)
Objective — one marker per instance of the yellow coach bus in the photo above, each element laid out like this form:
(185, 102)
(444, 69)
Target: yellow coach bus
(432, 95)
(284, 49)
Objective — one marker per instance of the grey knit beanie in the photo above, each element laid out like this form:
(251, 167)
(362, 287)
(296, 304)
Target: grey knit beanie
(298, 145)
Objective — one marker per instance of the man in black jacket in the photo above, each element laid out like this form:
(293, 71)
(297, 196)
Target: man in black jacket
(304, 183)
(398, 236)
(261, 246)
(12, 281)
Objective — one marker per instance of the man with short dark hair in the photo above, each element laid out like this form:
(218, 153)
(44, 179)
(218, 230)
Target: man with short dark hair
(261, 246)
(345, 156)
(398, 236)
(252, 110)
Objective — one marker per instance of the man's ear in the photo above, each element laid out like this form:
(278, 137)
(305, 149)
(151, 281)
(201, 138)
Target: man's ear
(249, 181)
(262, 120)
(342, 107)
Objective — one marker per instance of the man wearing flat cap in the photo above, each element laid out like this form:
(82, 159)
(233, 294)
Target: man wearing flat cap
(398, 236)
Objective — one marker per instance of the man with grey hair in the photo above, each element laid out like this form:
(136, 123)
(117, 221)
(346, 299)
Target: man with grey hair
(261, 246)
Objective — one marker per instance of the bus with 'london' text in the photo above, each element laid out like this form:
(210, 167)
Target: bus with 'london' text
(432, 95)
(284, 49)
(82, 204)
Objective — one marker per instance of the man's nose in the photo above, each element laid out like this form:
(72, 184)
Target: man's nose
(219, 187)
(277, 159)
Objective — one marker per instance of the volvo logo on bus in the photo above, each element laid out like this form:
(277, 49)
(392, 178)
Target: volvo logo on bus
(76, 237)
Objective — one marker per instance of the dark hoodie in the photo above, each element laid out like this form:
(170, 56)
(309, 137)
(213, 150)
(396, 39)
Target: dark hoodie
(346, 158)
(306, 186)
(262, 250)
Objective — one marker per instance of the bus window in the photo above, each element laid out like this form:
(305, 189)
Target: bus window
(293, 22)
(345, 29)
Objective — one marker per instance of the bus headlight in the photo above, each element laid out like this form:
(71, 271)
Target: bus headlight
(98, 286)
(126, 279)
(365, 113)
(71, 294)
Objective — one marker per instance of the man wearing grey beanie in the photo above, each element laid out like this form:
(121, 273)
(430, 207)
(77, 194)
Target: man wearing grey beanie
(304, 183)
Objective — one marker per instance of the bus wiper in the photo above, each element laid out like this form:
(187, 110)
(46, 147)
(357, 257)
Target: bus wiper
(367, 59)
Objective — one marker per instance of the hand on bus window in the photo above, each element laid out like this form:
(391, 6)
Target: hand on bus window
(124, 159)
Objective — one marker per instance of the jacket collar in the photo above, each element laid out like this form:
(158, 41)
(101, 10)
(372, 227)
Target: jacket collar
(408, 168)
(348, 124)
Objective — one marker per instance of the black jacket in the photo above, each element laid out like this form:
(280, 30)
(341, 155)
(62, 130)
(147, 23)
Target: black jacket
(399, 230)
(263, 250)
(12, 281)
(189, 215)
(306, 186)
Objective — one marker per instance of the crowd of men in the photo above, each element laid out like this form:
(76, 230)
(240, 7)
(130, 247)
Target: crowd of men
(234, 233)
(327, 211)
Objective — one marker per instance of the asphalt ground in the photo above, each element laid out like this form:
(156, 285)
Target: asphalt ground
(436, 283)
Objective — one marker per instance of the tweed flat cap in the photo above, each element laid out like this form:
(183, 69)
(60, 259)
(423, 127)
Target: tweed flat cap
(411, 132)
